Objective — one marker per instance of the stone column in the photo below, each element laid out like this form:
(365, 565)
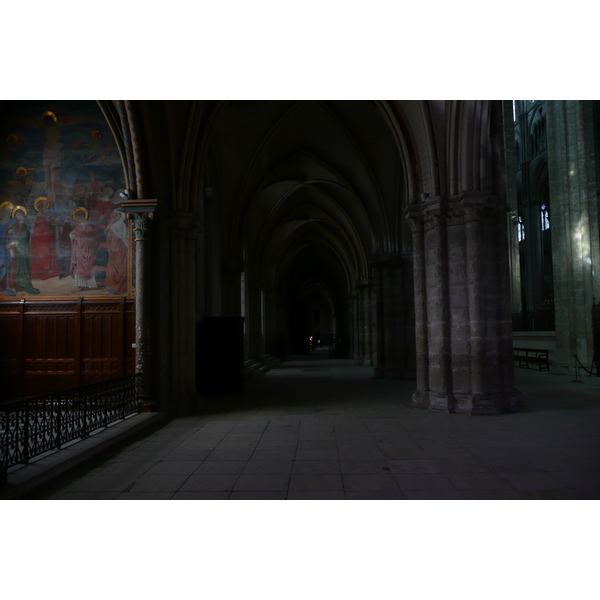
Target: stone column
(395, 316)
(141, 213)
(441, 395)
(183, 231)
(254, 321)
(273, 338)
(574, 224)
(421, 395)
(371, 331)
(462, 305)
(352, 325)
(231, 278)
(361, 321)
(510, 178)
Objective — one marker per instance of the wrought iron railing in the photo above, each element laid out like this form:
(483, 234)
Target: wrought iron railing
(41, 424)
(534, 320)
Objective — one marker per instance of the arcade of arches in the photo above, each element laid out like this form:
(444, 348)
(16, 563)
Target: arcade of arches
(390, 231)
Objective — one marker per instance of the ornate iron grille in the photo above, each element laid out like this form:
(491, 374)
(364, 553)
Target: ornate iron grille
(37, 425)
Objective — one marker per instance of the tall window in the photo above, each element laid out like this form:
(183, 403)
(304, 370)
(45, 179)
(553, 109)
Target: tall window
(545, 218)
(521, 229)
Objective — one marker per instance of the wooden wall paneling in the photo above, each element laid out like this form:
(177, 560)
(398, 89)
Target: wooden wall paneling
(20, 380)
(10, 350)
(129, 338)
(77, 348)
(102, 341)
(50, 347)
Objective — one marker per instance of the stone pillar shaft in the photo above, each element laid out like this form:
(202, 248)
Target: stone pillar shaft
(462, 318)
(574, 225)
(395, 319)
(141, 212)
(421, 394)
(183, 229)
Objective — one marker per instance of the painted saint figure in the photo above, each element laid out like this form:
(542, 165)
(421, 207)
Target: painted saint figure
(116, 241)
(6, 229)
(84, 243)
(18, 247)
(21, 187)
(42, 253)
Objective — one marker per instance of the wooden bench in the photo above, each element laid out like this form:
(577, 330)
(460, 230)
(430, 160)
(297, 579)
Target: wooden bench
(534, 356)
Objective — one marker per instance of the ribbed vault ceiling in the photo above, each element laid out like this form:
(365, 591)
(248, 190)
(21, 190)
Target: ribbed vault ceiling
(294, 175)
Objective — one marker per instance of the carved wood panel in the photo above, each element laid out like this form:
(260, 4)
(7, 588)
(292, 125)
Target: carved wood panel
(51, 346)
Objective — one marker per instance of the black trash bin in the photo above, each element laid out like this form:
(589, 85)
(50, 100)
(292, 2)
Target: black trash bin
(219, 355)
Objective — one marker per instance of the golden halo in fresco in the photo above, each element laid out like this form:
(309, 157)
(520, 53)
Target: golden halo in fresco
(42, 200)
(7, 203)
(21, 170)
(77, 211)
(49, 113)
(17, 208)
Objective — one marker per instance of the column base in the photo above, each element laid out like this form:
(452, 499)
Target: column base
(395, 373)
(420, 399)
(147, 406)
(489, 404)
(442, 402)
(469, 404)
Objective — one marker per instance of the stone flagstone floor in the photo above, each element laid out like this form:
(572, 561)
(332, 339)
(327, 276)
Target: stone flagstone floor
(328, 430)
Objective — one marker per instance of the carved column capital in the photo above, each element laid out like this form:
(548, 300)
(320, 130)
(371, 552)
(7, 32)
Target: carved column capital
(141, 212)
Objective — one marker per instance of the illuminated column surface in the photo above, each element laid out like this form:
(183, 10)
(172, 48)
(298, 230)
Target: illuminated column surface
(141, 212)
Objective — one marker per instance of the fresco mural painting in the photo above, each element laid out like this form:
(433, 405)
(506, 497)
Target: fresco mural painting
(63, 231)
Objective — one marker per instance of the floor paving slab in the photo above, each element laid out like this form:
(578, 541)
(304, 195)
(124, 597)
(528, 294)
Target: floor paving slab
(310, 482)
(200, 496)
(315, 466)
(413, 466)
(96, 495)
(164, 483)
(364, 466)
(108, 482)
(364, 482)
(478, 481)
(268, 467)
(424, 481)
(321, 495)
(185, 467)
(287, 453)
(179, 455)
(234, 467)
(258, 496)
(145, 496)
(209, 482)
(511, 465)
(230, 455)
(375, 495)
(462, 465)
(317, 454)
(262, 482)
